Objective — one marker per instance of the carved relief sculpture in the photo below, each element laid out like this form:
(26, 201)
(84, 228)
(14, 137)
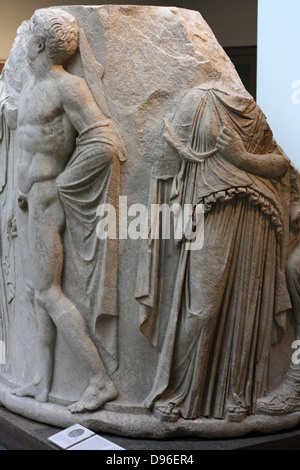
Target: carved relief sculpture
(214, 360)
(130, 331)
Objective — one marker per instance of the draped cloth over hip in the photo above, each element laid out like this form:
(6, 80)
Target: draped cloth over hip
(92, 178)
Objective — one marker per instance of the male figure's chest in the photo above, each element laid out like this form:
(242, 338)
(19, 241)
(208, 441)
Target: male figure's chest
(40, 104)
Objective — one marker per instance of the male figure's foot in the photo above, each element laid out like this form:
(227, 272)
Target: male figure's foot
(284, 399)
(35, 390)
(95, 396)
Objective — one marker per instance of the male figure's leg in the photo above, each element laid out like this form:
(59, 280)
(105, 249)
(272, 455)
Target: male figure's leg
(45, 329)
(46, 223)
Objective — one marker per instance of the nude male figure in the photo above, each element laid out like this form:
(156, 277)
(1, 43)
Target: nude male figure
(55, 107)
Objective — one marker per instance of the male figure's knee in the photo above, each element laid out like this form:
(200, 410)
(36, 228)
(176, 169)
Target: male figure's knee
(41, 298)
(46, 297)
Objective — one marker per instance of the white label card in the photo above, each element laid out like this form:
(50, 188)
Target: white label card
(71, 436)
(78, 437)
(96, 443)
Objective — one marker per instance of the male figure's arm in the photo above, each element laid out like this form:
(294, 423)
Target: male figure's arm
(78, 103)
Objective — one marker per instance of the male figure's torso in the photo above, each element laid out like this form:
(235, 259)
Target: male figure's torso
(46, 136)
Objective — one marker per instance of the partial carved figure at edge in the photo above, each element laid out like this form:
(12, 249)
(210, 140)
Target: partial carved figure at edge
(285, 398)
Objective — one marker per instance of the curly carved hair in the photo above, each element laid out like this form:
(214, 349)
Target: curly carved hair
(58, 28)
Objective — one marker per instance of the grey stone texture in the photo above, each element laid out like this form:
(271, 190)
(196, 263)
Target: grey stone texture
(143, 338)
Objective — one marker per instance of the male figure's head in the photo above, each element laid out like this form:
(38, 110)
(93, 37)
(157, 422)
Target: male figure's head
(54, 33)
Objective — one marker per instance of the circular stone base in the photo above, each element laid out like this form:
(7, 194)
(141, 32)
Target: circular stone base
(138, 422)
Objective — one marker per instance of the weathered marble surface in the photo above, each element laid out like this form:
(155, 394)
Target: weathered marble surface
(168, 91)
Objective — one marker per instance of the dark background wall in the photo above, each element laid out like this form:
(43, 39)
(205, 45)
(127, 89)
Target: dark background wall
(233, 21)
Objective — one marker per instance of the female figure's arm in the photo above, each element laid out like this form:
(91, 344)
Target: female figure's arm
(270, 165)
(185, 152)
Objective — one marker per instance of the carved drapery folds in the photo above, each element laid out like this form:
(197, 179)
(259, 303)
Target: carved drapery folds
(147, 337)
